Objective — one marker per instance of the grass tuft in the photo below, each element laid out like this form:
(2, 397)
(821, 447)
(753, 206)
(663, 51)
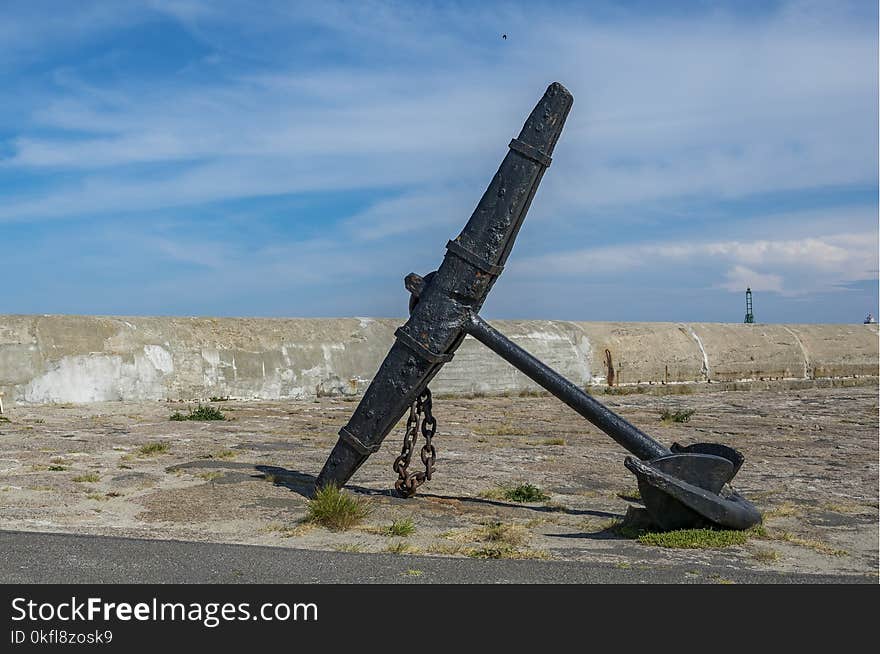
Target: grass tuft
(815, 545)
(336, 510)
(697, 539)
(499, 532)
(286, 531)
(525, 493)
(153, 448)
(447, 549)
(766, 556)
(784, 510)
(401, 527)
(506, 429)
(401, 547)
(201, 413)
(519, 493)
(677, 416)
(90, 478)
(684, 538)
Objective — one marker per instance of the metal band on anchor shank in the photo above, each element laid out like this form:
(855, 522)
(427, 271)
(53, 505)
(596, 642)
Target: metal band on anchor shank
(530, 152)
(357, 443)
(419, 349)
(475, 260)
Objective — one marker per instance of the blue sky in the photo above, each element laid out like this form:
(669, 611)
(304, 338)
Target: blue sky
(179, 157)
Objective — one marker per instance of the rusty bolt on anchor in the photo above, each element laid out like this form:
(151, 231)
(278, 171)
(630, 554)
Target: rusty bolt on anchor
(680, 486)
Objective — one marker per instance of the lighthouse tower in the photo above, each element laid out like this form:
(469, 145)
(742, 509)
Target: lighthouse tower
(750, 317)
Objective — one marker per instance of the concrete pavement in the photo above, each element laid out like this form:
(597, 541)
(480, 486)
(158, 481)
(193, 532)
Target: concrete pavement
(33, 558)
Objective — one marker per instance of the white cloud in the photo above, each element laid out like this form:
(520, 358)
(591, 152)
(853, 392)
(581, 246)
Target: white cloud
(417, 211)
(740, 277)
(708, 105)
(787, 266)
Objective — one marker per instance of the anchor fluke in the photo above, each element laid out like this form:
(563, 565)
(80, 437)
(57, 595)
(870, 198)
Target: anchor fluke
(684, 491)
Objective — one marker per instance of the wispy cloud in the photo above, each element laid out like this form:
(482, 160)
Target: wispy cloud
(695, 106)
(798, 266)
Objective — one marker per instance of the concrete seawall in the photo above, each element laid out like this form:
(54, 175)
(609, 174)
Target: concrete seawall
(80, 359)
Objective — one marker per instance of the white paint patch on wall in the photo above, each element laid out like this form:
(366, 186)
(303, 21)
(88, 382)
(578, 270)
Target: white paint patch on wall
(103, 378)
(584, 360)
(210, 376)
(82, 378)
(705, 366)
(160, 358)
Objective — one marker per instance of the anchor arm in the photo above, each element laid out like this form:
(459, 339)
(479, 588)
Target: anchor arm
(681, 487)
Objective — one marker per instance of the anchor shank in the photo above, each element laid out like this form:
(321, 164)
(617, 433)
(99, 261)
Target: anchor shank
(473, 261)
(633, 439)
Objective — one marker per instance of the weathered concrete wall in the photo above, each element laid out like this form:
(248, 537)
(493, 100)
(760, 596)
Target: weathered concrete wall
(88, 359)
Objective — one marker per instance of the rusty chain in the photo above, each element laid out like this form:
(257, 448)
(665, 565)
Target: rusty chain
(420, 418)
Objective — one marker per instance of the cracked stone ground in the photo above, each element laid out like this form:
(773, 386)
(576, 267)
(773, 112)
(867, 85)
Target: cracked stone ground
(811, 467)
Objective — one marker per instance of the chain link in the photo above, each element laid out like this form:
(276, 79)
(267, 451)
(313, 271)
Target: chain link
(420, 418)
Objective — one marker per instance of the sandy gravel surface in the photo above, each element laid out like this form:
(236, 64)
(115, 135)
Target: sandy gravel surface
(811, 466)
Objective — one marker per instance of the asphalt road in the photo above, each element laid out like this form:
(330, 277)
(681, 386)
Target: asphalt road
(33, 558)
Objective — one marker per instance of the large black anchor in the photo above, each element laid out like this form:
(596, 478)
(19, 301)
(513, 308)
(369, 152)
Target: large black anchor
(680, 486)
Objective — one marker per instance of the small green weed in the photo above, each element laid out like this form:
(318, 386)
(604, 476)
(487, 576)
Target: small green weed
(683, 415)
(519, 493)
(400, 547)
(525, 493)
(401, 527)
(200, 413)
